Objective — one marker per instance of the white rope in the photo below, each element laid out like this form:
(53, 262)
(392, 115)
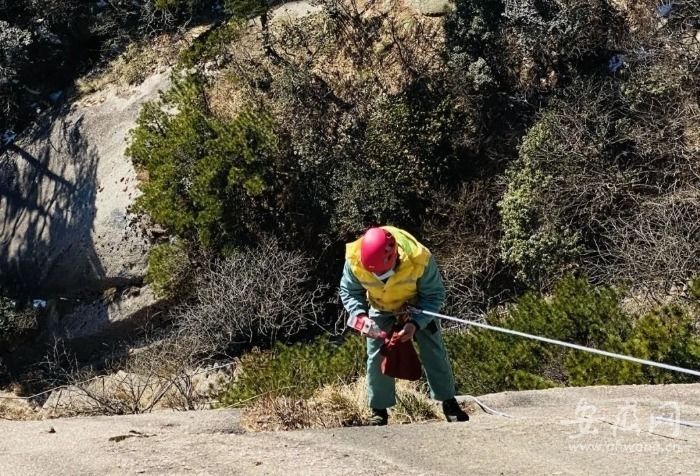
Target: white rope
(484, 407)
(558, 342)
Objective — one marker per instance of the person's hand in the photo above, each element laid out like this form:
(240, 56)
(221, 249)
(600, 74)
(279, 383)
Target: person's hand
(408, 331)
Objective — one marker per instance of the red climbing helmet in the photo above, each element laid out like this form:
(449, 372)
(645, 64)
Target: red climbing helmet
(378, 251)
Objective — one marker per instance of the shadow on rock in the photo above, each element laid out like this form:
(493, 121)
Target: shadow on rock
(47, 209)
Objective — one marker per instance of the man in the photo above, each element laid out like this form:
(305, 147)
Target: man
(384, 271)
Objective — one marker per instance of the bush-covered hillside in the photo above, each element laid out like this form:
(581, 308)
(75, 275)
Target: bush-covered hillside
(520, 140)
(538, 148)
(486, 362)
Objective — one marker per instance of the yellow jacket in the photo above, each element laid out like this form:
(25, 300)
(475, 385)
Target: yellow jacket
(400, 288)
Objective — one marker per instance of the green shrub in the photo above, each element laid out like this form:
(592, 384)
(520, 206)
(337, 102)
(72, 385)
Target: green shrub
(473, 30)
(168, 265)
(408, 144)
(296, 370)
(650, 86)
(584, 195)
(694, 288)
(14, 56)
(247, 8)
(45, 45)
(206, 177)
(537, 246)
(211, 45)
(486, 361)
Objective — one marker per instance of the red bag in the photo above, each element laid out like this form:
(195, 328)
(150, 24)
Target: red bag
(400, 358)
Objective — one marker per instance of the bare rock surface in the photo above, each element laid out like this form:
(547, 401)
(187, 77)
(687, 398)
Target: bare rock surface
(293, 11)
(594, 430)
(433, 8)
(64, 197)
(114, 313)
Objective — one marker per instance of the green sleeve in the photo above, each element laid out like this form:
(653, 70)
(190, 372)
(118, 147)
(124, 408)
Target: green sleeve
(431, 293)
(352, 293)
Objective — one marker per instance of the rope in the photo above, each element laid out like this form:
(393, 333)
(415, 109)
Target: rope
(558, 342)
(485, 408)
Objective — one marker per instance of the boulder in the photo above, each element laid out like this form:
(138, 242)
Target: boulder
(292, 11)
(433, 8)
(65, 192)
(115, 314)
(68, 400)
(126, 391)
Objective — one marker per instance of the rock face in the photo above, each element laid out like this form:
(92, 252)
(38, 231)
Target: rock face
(433, 8)
(594, 430)
(114, 314)
(293, 11)
(64, 197)
(66, 233)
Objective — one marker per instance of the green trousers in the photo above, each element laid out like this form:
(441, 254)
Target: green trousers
(433, 356)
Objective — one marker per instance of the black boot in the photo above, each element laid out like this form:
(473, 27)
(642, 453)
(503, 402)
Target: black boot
(380, 417)
(453, 412)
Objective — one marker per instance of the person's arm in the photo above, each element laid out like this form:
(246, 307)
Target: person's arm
(431, 293)
(352, 293)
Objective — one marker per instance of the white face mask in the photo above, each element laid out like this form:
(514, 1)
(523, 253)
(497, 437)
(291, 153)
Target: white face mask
(386, 275)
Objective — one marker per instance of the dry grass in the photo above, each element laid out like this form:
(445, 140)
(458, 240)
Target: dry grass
(639, 15)
(337, 406)
(343, 405)
(130, 68)
(126, 393)
(164, 374)
(404, 45)
(278, 413)
(378, 45)
(227, 98)
(17, 409)
(413, 405)
(139, 61)
(692, 132)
